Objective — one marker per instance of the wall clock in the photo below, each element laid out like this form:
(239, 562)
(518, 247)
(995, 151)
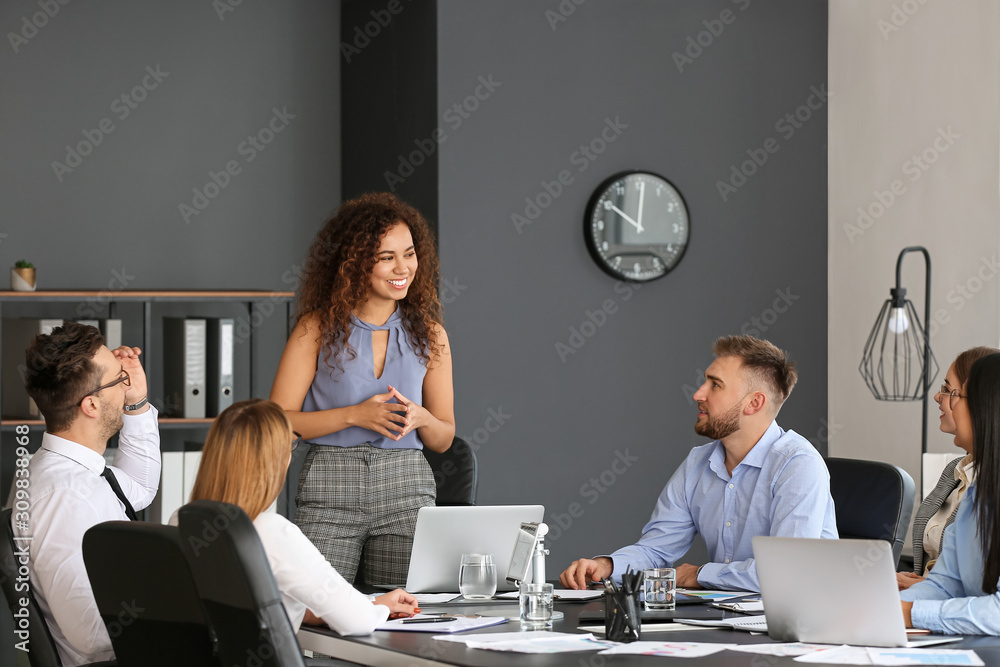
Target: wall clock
(637, 226)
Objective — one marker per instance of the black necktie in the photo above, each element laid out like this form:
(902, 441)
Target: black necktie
(110, 476)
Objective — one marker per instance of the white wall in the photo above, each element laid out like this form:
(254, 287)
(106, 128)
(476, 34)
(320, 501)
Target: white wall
(898, 82)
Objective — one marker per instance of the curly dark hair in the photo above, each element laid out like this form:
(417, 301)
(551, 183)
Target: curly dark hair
(60, 369)
(335, 277)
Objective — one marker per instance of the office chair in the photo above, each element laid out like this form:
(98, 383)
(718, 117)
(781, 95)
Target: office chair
(873, 500)
(237, 588)
(147, 596)
(455, 473)
(42, 648)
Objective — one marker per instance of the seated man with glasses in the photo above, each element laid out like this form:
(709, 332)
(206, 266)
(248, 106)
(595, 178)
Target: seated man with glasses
(86, 393)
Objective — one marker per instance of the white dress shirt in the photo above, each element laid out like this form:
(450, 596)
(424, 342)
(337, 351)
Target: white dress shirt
(308, 581)
(68, 496)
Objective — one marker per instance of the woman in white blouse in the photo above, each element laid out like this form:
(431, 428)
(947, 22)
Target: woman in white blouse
(939, 508)
(244, 462)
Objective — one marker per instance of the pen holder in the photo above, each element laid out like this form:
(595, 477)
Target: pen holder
(622, 622)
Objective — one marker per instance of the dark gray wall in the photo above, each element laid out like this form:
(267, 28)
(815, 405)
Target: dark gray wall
(117, 212)
(514, 296)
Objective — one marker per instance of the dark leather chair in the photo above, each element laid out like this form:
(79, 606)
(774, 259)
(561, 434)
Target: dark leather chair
(147, 596)
(455, 473)
(874, 500)
(42, 648)
(237, 588)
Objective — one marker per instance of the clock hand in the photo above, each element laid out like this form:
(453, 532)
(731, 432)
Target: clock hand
(642, 196)
(620, 212)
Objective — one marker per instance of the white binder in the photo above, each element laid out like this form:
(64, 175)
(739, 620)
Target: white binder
(184, 364)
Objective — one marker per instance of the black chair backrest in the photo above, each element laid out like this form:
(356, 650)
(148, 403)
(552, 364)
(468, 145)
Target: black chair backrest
(42, 648)
(146, 595)
(874, 500)
(455, 473)
(237, 587)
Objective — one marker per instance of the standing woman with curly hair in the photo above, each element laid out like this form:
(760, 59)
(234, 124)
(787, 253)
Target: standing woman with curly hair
(366, 380)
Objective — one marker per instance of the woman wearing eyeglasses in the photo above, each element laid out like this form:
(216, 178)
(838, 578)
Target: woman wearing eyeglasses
(244, 462)
(939, 508)
(960, 595)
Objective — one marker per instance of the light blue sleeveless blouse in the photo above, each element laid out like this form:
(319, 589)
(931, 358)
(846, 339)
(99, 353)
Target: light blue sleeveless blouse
(333, 388)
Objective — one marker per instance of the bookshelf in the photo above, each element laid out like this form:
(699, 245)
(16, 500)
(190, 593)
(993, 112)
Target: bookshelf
(254, 302)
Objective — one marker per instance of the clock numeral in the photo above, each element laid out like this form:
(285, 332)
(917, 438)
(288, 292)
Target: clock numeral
(607, 205)
(604, 246)
(636, 268)
(677, 228)
(600, 225)
(638, 186)
(618, 261)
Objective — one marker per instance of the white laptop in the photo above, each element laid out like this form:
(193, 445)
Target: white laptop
(832, 592)
(443, 534)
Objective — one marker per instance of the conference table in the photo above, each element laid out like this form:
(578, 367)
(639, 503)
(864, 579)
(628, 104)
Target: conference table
(415, 649)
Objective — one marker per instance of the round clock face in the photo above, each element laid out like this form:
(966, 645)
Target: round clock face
(637, 226)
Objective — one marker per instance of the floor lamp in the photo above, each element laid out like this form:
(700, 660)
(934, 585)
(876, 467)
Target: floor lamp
(898, 364)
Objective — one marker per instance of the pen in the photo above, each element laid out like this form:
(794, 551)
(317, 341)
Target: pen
(439, 619)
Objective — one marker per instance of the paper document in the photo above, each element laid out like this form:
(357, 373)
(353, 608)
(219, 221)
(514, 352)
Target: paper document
(486, 637)
(749, 623)
(838, 655)
(781, 650)
(553, 643)
(460, 624)
(923, 656)
(651, 627)
(435, 598)
(562, 594)
(752, 607)
(671, 649)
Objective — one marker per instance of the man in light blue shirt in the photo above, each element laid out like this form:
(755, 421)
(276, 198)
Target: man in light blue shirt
(753, 479)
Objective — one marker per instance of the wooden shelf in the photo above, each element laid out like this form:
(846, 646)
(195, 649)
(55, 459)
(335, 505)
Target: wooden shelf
(9, 424)
(147, 295)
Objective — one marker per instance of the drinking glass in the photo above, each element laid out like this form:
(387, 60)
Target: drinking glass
(477, 576)
(536, 606)
(659, 587)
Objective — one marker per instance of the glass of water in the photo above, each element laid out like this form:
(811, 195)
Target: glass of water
(536, 606)
(659, 588)
(477, 576)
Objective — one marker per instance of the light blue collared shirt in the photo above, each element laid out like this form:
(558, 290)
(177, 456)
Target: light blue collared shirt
(951, 600)
(781, 488)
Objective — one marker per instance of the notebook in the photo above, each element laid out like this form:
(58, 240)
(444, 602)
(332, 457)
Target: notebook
(443, 534)
(832, 592)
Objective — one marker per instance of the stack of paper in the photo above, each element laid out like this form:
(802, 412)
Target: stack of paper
(433, 623)
(532, 642)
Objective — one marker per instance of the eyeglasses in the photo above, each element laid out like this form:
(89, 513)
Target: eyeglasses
(121, 378)
(297, 440)
(952, 395)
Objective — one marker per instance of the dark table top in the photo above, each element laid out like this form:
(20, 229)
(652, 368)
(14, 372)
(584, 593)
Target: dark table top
(416, 648)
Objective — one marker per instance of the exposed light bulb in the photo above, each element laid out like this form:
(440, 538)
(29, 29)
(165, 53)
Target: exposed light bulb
(898, 322)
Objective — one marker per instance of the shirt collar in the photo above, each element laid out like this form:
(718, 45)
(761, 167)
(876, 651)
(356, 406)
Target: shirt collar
(755, 457)
(74, 451)
(394, 321)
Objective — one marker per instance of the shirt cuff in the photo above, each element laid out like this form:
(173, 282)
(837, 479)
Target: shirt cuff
(926, 614)
(708, 574)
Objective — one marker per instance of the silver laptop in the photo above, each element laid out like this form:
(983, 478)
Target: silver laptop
(443, 534)
(832, 592)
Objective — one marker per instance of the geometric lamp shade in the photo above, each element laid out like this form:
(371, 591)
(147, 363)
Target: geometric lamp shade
(893, 361)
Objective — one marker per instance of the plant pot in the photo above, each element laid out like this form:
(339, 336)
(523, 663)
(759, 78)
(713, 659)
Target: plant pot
(22, 280)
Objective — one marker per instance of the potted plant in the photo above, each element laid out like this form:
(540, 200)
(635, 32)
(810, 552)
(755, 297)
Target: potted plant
(22, 276)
